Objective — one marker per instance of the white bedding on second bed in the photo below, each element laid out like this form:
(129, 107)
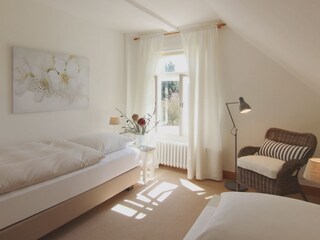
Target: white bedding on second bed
(23, 203)
(204, 217)
(251, 216)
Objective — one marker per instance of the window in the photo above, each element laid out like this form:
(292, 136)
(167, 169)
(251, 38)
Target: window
(172, 83)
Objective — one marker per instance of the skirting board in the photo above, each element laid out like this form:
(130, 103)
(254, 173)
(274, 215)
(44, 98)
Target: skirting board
(309, 190)
(44, 222)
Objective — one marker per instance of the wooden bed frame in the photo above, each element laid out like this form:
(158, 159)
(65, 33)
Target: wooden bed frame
(46, 221)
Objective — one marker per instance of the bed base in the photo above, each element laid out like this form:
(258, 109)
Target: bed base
(44, 222)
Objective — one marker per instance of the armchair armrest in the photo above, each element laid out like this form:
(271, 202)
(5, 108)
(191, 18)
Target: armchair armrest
(289, 167)
(248, 150)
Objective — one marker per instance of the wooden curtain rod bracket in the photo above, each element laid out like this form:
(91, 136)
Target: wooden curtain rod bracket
(165, 34)
(219, 26)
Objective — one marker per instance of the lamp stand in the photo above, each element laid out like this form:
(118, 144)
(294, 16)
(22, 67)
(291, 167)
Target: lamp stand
(233, 185)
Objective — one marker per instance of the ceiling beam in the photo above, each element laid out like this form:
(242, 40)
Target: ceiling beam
(168, 25)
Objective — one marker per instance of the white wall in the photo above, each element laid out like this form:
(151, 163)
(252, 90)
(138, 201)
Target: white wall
(29, 24)
(277, 98)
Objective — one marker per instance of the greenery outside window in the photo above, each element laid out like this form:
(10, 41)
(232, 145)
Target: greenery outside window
(172, 83)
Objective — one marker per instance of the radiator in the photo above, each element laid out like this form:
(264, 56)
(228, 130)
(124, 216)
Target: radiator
(173, 154)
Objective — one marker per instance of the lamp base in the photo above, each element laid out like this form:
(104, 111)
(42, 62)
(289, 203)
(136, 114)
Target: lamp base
(231, 185)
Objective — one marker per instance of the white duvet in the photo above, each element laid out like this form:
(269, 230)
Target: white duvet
(30, 163)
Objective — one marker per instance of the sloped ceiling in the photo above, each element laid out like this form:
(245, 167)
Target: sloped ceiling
(285, 30)
(137, 16)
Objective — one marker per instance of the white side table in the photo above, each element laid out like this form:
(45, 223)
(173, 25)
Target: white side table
(147, 162)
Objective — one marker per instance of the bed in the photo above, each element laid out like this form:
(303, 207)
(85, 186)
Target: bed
(251, 216)
(32, 211)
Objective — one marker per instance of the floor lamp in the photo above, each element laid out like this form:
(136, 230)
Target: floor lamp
(243, 108)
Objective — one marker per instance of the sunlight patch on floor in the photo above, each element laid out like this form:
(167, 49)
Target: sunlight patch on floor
(146, 200)
(143, 198)
(201, 193)
(162, 188)
(164, 196)
(191, 186)
(129, 212)
(134, 203)
(140, 216)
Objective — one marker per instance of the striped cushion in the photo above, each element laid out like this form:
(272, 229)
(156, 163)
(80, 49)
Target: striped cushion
(282, 151)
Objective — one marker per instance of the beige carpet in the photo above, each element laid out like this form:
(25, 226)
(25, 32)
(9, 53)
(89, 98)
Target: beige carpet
(165, 209)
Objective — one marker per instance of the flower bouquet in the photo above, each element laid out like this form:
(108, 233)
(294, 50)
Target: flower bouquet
(138, 125)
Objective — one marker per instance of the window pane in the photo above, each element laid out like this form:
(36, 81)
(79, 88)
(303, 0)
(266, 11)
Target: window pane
(170, 103)
(172, 63)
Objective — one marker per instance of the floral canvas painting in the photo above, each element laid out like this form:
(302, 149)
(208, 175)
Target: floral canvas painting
(48, 81)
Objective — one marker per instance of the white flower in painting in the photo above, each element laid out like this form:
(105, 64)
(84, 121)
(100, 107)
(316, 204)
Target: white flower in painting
(22, 70)
(31, 78)
(65, 77)
(21, 74)
(41, 87)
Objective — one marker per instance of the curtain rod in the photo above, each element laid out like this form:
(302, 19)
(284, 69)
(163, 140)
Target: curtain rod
(219, 26)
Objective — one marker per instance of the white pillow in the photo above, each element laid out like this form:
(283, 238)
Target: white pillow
(103, 142)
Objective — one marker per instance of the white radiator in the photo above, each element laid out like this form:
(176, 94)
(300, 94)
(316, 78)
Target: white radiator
(173, 154)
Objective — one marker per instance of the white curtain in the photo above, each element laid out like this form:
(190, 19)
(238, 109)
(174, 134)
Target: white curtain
(204, 158)
(144, 85)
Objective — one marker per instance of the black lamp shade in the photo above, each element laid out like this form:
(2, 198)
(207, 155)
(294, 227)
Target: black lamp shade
(244, 107)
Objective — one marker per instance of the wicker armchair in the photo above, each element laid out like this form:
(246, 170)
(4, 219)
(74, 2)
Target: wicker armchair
(286, 181)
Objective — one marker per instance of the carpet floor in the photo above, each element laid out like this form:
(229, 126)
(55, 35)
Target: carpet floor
(165, 209)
